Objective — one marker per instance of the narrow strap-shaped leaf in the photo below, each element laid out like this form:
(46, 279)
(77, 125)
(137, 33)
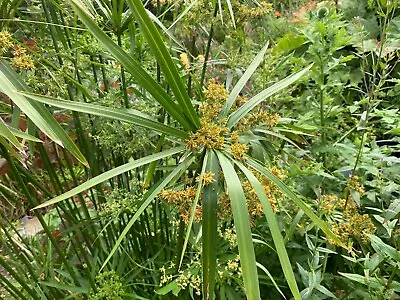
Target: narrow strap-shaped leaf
(275, 231)
(271, 278)
(6, 132)
(10, 83)
(152, 166)
(230, 8)
(209, 237)
(242, 225)
(164, 29)
(126, 115)
(133, 67)
(10, 149)
(148, 198)
(242, 81)
(193, 210)
(24, 135)
(253, 102)
(286, 190)
(276, 134)
(177, 19)
(67, 287)
(168, 67)
(110, 174)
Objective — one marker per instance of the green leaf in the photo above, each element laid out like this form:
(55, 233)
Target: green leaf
(168, 67)
(164, 29)
(242, 225)
(384, 249)
(285, 190)
(278, 135)
(171, 287)
(242, 81)
(24, 135)
(126, 115)
(193, 210)
(228, 2)
(271, 278)
(6, 132)
(132, 66)
(242, 111)
(209, 237)
(148, 198)
(10, 83)
(71, 288)
(275, 231)
(110, 174)
(370, 281)
(10, 149)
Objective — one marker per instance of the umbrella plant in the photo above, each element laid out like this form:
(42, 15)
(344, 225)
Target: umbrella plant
(213, 138)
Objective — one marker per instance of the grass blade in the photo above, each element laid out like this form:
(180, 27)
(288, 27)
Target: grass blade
(192, 212)
(126, 115)
(164, 59)
(242, 225)
(209, 237)
(24, 135)
(253, 102)
(275, 231)
(110, 174)
(230, 8)
(6, 132)
(10, 83)
(242, 81)
(285, 189)
(132, 66)
(149, 197)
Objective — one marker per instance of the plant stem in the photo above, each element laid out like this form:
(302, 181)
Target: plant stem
(208, 48)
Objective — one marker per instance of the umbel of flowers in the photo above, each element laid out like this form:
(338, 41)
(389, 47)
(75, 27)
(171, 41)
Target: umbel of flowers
(346, 221)
(214, 134)
(21, 60)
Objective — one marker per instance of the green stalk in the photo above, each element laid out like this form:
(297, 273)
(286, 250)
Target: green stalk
(103, 73)
(33, 203)
(208, 48)
(12, 289)
(19, 279)
(123, 79)
(322, 110)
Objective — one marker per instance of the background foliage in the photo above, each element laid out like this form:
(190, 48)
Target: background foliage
(199, 149)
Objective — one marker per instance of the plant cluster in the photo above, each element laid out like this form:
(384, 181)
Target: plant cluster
(208, 149)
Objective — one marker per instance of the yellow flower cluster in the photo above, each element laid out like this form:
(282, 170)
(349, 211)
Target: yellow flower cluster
(354, 184)
(255, 119)
(233, 265)
(183, 200)
(212, 132)
(162, 2)
(351, 225)
(358, 226)
(229, 234)
(254, 206)
(328, 203)
(245, 12)
(215, 97)
(201, 12)
(209, 135)
(21, 60)
(185, 61)
(239, 151)
(5, 41)
(206, 178)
